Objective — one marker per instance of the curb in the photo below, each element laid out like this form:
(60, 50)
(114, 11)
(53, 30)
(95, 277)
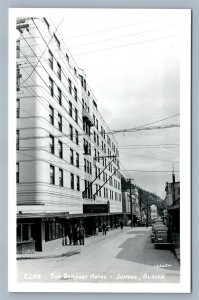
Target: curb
(67, 254)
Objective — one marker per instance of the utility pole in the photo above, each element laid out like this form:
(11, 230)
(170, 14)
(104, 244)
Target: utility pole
(131, 204)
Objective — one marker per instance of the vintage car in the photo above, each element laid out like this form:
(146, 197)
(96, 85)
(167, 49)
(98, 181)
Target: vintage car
(161, 236)
(158, 224)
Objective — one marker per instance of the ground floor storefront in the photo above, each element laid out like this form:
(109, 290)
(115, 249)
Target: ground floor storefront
(42, 232)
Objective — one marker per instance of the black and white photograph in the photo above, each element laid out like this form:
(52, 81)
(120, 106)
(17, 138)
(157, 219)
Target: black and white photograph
(99, 110)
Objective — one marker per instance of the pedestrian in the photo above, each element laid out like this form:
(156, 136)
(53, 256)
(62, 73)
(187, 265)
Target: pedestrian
(121, 224)
(100, 229)
(70, 234)
(74, 234)
(81, 235)
(104, 228)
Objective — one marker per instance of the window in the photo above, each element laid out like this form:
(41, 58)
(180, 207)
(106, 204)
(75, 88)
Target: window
(70, 109)
(67, 57)
(71, 156)
(72, 181)
(18, 108)
(78, 183)
(52, 174)
(17, 140)
(59, 71)
(18, 78)
(97, 124)
(75, 93)
(51, 86)
(59, 122)
(76, 137)
(71, 132)
(61, 181)
(52, 144)
(50, 59)
(97, 140)
(59, 96)
(84, 84)
(82, 80)
(87, 166)
(51, 115)
(94, 137)
(17, 172)
(76, 115)
(77, 160)
(84, 165)
(69, 86)
(60, 149)
(75, 71)
(18, 49)
(57, 41)
(90, 168)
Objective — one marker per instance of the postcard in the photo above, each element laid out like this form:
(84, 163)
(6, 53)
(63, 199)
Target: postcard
(99, 183)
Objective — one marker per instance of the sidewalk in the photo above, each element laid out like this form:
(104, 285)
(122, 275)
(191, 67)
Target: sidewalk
(69, 250)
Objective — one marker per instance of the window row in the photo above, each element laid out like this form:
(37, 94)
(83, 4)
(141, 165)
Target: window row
(73, 134)
(74, 184)
(71, 112)
(87, 166)
(52, 118)
(74, 161)
(52, 146)
(59, 92)
(86, 147)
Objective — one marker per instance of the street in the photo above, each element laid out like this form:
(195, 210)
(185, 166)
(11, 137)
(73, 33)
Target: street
(120, 256)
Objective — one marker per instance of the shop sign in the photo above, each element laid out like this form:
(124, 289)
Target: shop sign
(95, 208)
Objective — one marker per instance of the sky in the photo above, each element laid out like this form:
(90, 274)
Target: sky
(132, 61)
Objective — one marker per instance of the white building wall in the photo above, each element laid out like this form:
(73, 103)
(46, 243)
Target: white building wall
(34, 155)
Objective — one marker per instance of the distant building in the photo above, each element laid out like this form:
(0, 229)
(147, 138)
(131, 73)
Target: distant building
(172, 199)
(154, 213)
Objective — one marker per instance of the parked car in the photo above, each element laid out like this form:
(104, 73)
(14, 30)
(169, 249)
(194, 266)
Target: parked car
(156, 225)
(161, 236)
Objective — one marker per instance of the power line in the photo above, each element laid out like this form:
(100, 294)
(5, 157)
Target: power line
(42, 52)
(153, 158)
(122, 37)
(108, 29)
(127, 45)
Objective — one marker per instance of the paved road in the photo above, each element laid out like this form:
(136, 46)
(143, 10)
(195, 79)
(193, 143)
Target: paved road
(127, 256)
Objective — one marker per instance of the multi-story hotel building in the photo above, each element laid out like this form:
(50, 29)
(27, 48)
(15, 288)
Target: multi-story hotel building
(67, 159)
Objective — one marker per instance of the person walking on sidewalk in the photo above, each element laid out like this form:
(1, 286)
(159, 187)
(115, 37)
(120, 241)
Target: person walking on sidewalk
(81, 235)
(104, 228)
(121, 224)
(75, 240)
(70, 234)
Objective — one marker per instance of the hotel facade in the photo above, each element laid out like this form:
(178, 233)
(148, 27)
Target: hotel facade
(67, 168)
